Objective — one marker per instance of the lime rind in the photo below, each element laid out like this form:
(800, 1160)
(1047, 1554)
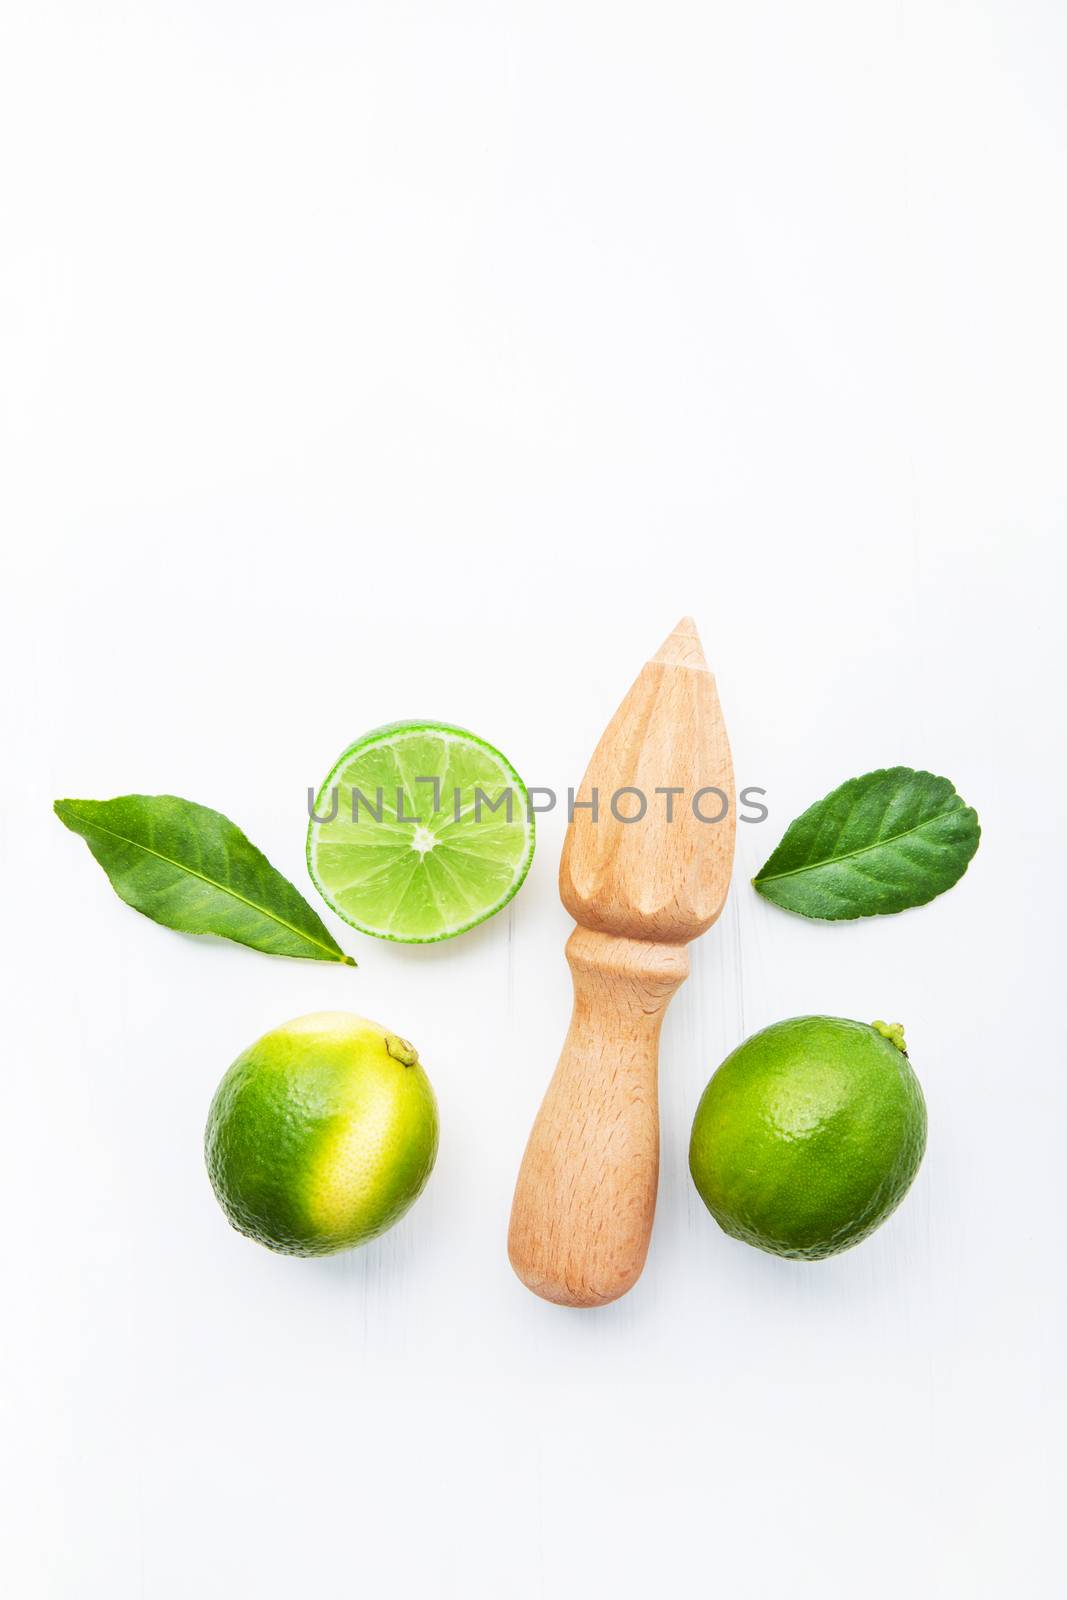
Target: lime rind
(382, 883)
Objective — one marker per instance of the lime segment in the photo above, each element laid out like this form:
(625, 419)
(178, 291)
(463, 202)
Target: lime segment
(420, 831)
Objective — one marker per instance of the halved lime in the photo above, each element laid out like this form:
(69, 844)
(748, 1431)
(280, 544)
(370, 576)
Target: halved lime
(420, 831)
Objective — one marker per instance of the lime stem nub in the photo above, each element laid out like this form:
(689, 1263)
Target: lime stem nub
(894, 1032)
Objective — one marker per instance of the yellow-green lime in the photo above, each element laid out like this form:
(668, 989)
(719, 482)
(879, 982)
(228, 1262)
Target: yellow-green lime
(809, 1135)
(420, 831)
(321, 1134)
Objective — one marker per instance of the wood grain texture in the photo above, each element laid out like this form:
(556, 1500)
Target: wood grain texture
(639, 890)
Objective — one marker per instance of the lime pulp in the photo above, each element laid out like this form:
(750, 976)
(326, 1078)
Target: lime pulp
(420, 831)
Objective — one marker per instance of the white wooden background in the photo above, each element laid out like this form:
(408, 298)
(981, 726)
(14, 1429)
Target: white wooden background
(369, 360)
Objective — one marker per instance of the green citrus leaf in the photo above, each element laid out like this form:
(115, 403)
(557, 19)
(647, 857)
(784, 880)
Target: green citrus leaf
(192, 869)
(878, 844)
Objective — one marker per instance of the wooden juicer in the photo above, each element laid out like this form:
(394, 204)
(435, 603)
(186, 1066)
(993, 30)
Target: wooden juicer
(639, 891)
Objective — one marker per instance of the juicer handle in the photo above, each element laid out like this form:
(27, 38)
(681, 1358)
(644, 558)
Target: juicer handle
(585, 1198)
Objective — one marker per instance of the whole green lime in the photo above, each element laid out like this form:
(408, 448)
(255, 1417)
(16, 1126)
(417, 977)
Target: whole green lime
(809, 1135)
(321, 1134)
